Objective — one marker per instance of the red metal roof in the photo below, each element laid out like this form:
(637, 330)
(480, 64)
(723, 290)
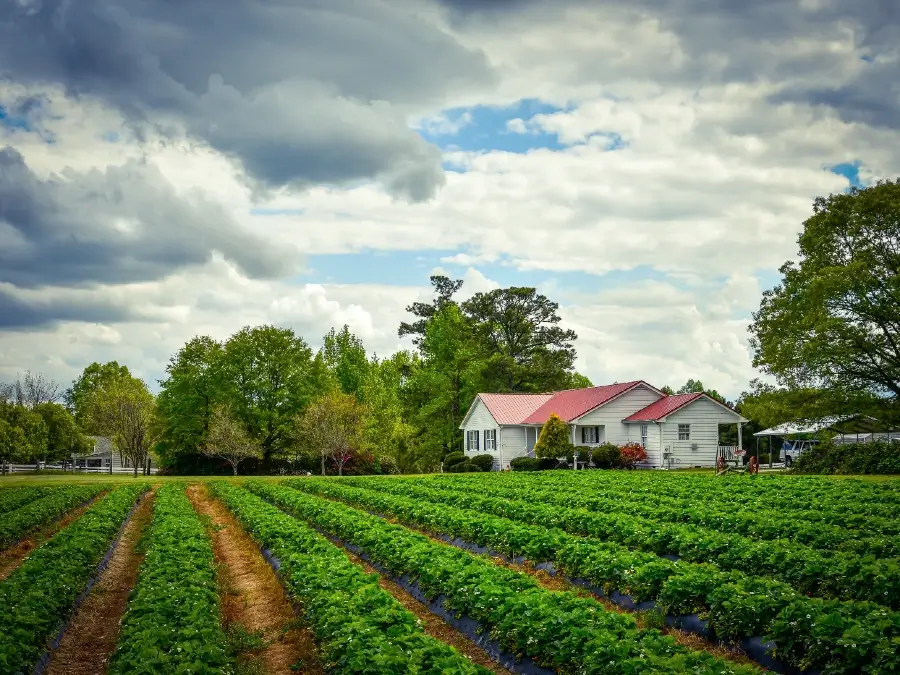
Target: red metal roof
(574, 403)
(664, 406)
(513, 408)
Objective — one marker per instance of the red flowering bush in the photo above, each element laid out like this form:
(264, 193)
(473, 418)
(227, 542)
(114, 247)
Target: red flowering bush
(632, 453)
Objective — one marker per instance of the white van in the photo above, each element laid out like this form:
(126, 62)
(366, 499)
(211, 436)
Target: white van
(793, 449)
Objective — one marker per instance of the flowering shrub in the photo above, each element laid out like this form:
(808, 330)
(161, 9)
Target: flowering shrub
(632, 453)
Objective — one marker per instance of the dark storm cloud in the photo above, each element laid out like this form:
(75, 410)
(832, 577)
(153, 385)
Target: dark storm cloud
(120, 225)
(300, 92)
(19, 314)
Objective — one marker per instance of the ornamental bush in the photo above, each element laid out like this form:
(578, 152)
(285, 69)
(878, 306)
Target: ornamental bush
(483, 462)
(454, 458)
(554, 439)
(527, 464)
(632, 454)
(607, 456)
(465, 467)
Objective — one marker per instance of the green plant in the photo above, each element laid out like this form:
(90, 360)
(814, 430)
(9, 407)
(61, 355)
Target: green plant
(554, 439)
(607, 456)
(38, 596)
(240, 640)
(526, 464)
(483, 462)
(360, 628)
(172, 622)
(454, 458)
(465, 467)
(17, 523)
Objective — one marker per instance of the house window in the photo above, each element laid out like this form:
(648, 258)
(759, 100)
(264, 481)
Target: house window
(590, 434)
(490, 439)
(530, 437)
(643, 435)
(684, 432)
(472, 440)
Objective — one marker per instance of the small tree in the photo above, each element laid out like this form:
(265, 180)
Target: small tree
(554, 439)
(227, 438)
(332, 426)
(126, 412)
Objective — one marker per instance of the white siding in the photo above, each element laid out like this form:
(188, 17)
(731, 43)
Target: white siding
(704, 416)
(512, 442)
(481, 420)
(610, 416)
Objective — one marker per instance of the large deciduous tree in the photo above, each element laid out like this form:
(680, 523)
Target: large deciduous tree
(228, 439)
(188, 395)
(345, 356)
(64, 438)
(833, 322)
(269, 375)
(94, 378)
(519, 327)
(23, 433)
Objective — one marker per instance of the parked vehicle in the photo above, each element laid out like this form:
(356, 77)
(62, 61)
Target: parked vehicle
(793, 449)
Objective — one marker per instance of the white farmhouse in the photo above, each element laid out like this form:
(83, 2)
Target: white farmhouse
(676, 431)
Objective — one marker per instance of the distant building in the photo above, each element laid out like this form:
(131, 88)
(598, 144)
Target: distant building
(676, 431)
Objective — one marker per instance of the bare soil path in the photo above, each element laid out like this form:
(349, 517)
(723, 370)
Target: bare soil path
(253, 599)
(91, 637)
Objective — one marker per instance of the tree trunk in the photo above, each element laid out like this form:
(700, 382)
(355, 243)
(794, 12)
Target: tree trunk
(340, 469)
(234, 468)
(135, 469)
(323, 463)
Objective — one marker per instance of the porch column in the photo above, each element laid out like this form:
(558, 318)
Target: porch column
(740, 438)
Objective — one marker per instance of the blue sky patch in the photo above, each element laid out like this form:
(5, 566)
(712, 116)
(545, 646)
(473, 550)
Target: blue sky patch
(485, 128)
(849, 170)
(276, 212)
(11, 120)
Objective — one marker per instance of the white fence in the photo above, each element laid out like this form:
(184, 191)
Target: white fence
(56, 468)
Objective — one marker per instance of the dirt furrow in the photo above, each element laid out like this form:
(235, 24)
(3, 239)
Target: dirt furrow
(259, 618)
(12, 557)
(91, 636)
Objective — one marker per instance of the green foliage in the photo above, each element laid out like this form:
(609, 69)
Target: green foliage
(879, 457)
(832, 321)
(14, 497)
(526, 348)
(23, 433)
(554, 439)
(737, 605)
(465, 467)
(16, 524)
(64, 438)
(94, 378)
(525, 464)
(360, 628)
(38, 596)
(346, 358)
(483, 462)
(454, 458)
(607, 456)
(558, 630)
(172, 621)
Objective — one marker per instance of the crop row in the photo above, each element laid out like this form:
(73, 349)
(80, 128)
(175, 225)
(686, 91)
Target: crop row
(360, 628)
(14, 497)
(558, 630)
(16, 524)
(829, 574)
(39, 595)
(775, 492)
(172, 622)
(765, 525)
(737, 606)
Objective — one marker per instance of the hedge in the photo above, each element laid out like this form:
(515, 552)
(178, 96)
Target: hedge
(879, 457)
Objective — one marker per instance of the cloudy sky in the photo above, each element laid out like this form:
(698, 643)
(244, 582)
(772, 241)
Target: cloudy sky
(172, 168)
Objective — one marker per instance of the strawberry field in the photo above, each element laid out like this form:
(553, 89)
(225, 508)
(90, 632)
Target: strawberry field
(545, 572)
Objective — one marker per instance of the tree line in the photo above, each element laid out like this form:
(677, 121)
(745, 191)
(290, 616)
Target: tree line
(827, 337)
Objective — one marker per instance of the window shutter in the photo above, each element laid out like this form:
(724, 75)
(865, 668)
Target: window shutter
(596, 434)
(583, 434)
(477, 434)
